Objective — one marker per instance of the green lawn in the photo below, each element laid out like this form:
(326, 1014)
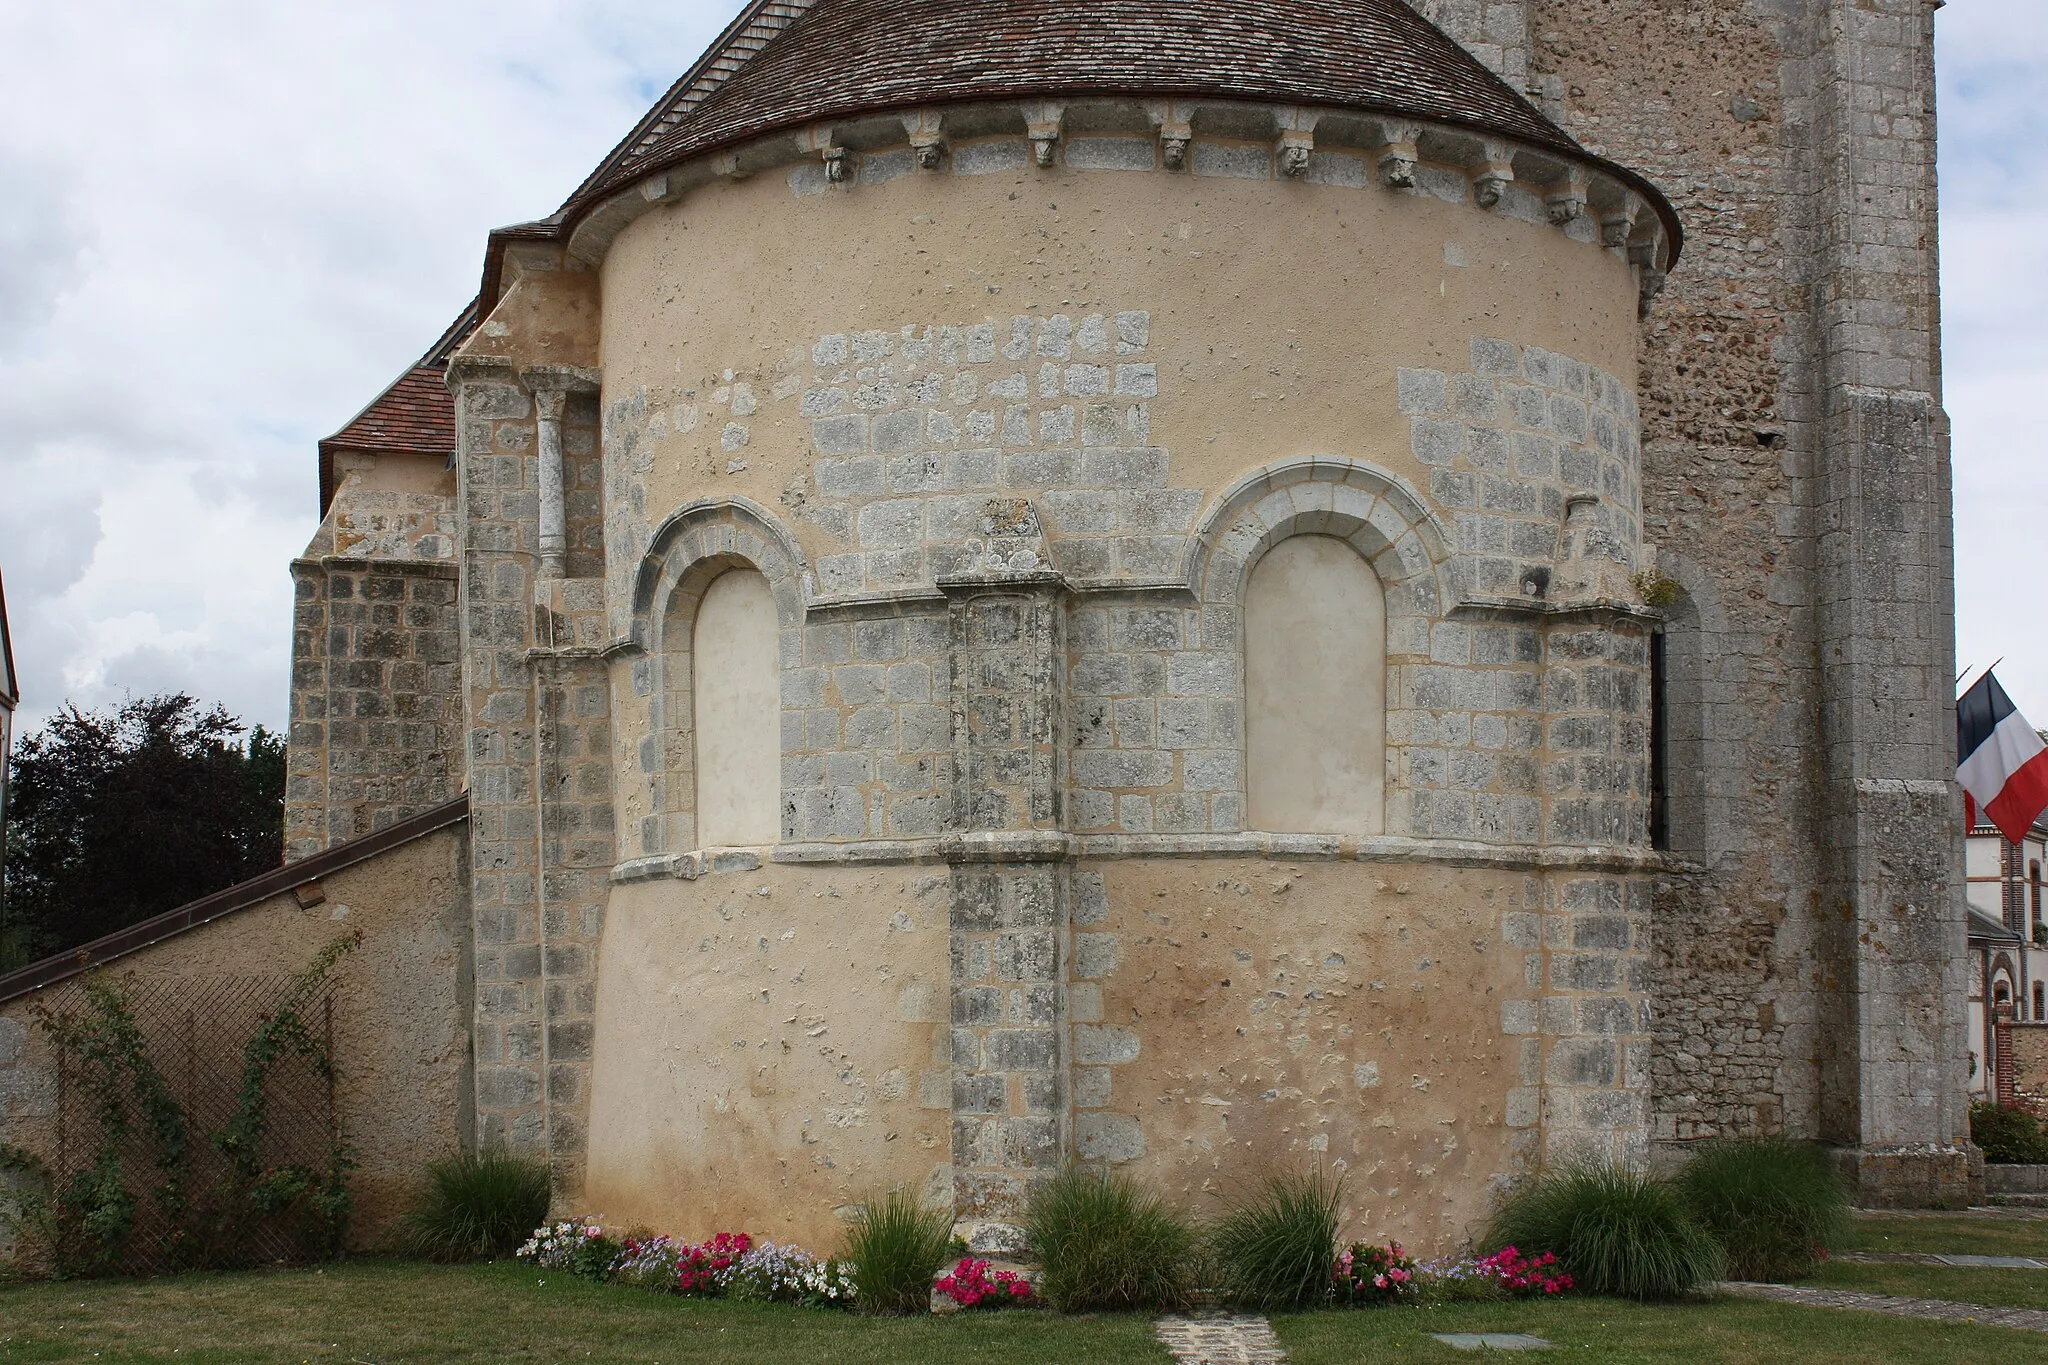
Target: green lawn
(1586, 1331)
(1950, 1234)
(394, 1313)
(1964, 1284)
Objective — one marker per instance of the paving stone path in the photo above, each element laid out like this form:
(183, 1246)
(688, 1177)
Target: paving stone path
(1221, 1340)
(1934, 1310)
(1939, 1258)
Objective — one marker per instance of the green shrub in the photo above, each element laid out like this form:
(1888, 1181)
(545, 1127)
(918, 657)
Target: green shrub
(1105, 1243)
(477, 1204)
(897, 1246)
(2008, 1135)
(1776, 1206)
(1615, 1231)
(1278, 1249)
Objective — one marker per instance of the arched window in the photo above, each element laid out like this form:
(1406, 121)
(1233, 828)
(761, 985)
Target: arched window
(1315, 642)
(737, 712)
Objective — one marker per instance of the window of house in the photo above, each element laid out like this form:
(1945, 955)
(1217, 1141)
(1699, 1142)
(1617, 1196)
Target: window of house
(737, 703)
(1315, 639)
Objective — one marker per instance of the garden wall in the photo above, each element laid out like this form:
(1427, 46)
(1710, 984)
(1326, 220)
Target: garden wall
(401, 1010)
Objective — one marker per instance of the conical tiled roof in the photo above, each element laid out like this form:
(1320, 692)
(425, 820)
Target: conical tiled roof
(789, 63)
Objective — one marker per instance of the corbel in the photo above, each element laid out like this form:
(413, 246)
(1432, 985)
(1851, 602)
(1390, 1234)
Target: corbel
(1495, 175)
(927, 140)
(661, 189)
(1646, 254)
(1618, 224)
(727, 164)
(838, 159)
(1566, 199)
(1042, 120)
(1397, 153)
(1297, 142)
(1175, 132)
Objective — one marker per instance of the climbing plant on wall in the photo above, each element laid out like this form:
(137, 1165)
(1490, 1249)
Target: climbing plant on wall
(133, 1192)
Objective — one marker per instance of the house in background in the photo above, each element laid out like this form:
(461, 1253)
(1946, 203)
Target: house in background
(10, 695)
(2008, 939)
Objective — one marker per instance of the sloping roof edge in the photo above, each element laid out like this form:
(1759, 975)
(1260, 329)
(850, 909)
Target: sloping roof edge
(62, 966)
(10, 690)
(436, 357)
(1984, 928)
(739, 42)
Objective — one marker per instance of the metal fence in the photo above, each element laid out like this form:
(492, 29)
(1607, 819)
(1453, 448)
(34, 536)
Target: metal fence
(196, 1031)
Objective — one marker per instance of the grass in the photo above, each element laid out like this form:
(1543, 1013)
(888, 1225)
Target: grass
(1613, 1332)
(1949, 1235)
(477, 1204)
(897, 1246)
(1963, 1284)
(1616, 1232)
(1278, 1248)
(1774, 1205)
(1106, 1243)
(398, 1313)
(408, 1313)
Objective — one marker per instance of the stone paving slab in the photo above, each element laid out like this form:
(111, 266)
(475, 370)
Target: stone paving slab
(1493, 1341)
(1938, 1258)
(1993, 1262)
(1933, 1310)
(1243, 1339)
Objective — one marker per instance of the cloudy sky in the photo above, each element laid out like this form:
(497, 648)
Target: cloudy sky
(224, 226)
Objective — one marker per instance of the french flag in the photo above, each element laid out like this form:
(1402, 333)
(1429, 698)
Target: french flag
(2002, 764)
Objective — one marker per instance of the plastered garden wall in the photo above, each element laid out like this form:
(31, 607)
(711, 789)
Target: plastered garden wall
(401, 1020)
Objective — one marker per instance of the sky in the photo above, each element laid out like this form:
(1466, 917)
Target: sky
(224, 227)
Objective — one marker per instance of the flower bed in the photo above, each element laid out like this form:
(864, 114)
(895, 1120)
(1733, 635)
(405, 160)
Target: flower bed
(971, 1285)
(729, 1265)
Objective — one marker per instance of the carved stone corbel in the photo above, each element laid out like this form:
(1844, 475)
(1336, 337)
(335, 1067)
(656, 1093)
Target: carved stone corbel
(1042, 121)
(1566, 200)
(927, 138)
(727, 164)
(1171, 123)
(838, 162)
(1495, 174)
(1293, 152)
(1618, 224)
(1646, 254)
(1397, 154)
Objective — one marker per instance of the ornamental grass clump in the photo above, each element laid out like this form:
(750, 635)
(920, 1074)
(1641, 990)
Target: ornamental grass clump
(1615, 1231)
(1777, 1207)
(477, 1205)
(1105, 1243)
(896, 1247)
(1278, 1249)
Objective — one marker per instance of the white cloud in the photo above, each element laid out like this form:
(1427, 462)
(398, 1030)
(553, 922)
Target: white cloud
(224, 226)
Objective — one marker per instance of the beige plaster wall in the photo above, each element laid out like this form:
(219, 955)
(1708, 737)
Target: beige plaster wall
(1315, 706)
(401, 1017)
(1281, 311)
(1294, 1015)
(738, 723)
(770, 1047)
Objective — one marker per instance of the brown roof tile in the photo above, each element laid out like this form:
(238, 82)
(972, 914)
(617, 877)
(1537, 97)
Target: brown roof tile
(415, 414)
(845, 56)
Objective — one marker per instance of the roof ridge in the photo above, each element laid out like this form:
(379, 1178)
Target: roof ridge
(752, 29)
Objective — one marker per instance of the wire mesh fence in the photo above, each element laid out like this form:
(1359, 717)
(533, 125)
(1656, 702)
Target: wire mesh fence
(249, 1183)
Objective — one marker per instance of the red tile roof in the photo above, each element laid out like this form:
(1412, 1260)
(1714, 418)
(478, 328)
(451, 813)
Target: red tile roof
(415, 415)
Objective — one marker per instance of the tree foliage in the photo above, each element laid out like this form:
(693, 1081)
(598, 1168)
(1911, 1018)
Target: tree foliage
(120, 814)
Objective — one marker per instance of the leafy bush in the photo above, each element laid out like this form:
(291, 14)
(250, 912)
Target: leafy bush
(1777, 1206)
(897, 1246)
(2008, 1135)
(1616, 1231)
(477, 1205)
(1278, 1249)
(1105, 1243)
